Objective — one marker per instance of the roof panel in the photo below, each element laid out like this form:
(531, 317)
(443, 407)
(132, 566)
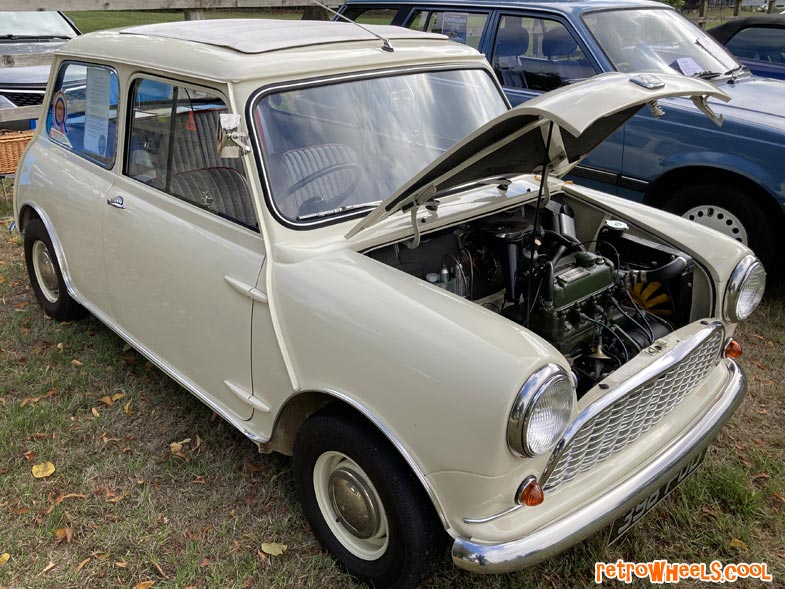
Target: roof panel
(262, 36)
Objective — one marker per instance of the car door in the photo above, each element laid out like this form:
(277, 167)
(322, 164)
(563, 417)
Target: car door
(182, 247)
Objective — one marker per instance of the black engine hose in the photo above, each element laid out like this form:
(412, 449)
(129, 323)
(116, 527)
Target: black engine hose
(567, 243)
(670, 270)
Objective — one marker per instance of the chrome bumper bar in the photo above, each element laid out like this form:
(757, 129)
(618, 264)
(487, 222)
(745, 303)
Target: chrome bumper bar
(595, 515)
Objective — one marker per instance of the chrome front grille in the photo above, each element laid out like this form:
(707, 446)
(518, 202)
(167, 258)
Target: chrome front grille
(625, 419)
(24, 98)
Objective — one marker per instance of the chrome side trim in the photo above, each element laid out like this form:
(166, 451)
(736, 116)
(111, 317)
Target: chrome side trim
(396, 443)
(490, 518)
(556, 536)
(668, 359)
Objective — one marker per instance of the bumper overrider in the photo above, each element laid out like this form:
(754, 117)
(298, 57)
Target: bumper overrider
(588, 519)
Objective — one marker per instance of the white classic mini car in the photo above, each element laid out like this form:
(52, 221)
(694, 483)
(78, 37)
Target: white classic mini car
(344, 243)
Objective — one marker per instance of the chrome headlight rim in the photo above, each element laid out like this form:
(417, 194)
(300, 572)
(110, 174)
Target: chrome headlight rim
(738, 278)
(533, 389)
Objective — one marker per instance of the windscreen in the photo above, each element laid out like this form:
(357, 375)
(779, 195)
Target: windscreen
(657, 40)
(34, 24)
(341, 146)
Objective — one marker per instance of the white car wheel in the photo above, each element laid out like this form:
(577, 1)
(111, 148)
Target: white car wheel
(350, 505)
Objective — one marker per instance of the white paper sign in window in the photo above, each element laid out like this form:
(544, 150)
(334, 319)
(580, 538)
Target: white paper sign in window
(97, 111)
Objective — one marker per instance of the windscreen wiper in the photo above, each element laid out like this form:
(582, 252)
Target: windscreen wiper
(13, 37)
(320, 214)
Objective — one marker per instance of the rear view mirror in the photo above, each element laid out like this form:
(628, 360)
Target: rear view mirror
(232, 143)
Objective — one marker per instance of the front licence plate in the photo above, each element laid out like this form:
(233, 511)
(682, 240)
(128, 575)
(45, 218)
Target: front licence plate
(634, 515)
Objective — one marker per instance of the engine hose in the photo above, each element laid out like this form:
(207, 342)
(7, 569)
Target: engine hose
(567, 241)
(548, 280)
(670, 270)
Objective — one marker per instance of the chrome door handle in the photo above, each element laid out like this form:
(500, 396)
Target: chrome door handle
(116, 202)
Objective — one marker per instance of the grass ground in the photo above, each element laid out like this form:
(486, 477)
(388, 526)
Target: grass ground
(125, 507)
(96, 20)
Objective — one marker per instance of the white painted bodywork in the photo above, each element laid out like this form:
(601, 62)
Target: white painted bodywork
(247, 321)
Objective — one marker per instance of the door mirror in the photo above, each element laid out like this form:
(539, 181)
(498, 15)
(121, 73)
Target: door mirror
(232, 143)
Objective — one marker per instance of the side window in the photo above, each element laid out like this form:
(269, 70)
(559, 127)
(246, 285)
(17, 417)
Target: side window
(763, 43)
(419, 20)
(463, 27)
(83, 113)
(172, 146)
(537, 54)
(368, 15)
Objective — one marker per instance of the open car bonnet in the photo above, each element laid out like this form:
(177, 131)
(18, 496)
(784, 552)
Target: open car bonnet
(582, 116)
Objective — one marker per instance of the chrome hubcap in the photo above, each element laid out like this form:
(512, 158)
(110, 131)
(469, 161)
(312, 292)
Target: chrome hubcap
(350, 505)
(719, 219)
(354, 504)
(45, 272)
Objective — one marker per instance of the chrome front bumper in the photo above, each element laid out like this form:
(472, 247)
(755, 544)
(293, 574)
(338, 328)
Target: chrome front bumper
(602, 511)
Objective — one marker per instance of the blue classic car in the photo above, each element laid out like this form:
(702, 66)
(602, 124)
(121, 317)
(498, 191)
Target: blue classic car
(757, 41)
(725, 171)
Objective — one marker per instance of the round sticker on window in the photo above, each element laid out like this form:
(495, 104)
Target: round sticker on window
(60, 111)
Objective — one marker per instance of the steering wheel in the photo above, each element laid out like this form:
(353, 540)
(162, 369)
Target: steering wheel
(325, 202)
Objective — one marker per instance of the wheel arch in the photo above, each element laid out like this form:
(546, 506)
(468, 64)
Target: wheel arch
(302, 405)
(29, 212)
(660, 191)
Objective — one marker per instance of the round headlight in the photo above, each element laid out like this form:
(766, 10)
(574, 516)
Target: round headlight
(745, 289)
(541, 412)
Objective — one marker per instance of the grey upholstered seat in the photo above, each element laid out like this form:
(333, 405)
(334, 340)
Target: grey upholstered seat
(221, 190)
(298, 164)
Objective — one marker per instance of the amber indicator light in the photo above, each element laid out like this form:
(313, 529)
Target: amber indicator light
(732, 349)
(531, 494)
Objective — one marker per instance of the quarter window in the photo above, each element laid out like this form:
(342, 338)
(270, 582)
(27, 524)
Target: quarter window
(172, 146)
(537, 54)
(82, 115)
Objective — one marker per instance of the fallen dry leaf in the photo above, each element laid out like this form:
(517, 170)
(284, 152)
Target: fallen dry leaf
(19, 510)
(76, 363)
(118, 396)
(262, 556)
(121, 564)
(158, 569)
(94, 411)
(82, 564)
(61, 498)
(4, 558)
(736, 543)
(144, 584)
(274, 549)
(176, 447)
(43, 470)
(107, 400)
(29, 455)
(47, 568)
(205, 563)
(760, 475)
(127, 408)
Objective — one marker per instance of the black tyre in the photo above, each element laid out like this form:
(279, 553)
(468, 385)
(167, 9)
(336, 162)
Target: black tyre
(45, 275)
(730, 211)
(363, 502)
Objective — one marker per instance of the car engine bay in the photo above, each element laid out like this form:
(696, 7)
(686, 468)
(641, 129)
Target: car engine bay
(598, 302)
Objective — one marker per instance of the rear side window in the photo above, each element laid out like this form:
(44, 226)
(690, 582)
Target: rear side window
(371, 15)
(82, 115)
(173, 146)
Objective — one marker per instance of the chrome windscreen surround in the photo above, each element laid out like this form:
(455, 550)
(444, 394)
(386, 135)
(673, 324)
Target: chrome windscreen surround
(616, 420)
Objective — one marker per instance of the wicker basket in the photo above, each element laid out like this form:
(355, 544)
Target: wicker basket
(11, 147)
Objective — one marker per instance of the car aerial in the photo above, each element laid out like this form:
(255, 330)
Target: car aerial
(25, 34)
(727, 177)
(757, 41)
(345, 243)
